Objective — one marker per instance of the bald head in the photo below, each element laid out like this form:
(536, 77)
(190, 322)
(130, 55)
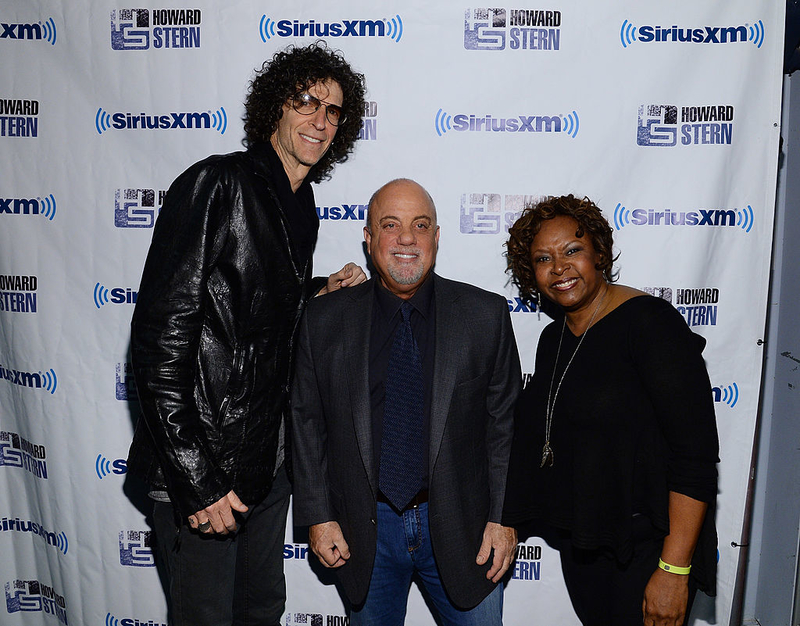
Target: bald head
(402, 185)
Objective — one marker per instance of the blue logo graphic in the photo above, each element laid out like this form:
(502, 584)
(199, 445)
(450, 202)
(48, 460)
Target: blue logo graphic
(295, 551)
(135, 548)
(41, 31)
(491, 213)
(129, 621)
(630, 34)
(658, 125)
(517, 305)
(741, 218)
(118, 295)
(58, 541)
(136, 208)
(29, 206)
(125, 387)
(217, 120)
(390, 28)
(40, 380)
(103, 467)
(518, 29)
(63, 544)
(726, 395)
(444, 123)
(34, 596)
(138, 29)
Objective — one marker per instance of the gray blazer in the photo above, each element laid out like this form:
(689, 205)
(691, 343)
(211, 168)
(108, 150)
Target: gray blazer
(476, 380)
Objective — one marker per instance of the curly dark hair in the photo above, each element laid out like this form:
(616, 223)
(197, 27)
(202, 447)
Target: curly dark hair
(292, 71)
(520, 238)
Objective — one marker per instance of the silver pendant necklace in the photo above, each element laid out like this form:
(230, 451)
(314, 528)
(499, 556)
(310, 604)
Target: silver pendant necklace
(547, 451)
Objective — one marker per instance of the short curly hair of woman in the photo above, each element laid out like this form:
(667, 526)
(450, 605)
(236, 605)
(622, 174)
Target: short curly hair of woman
(292, 71)
(520, 238)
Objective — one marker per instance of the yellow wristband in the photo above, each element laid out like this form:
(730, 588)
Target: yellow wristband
(674, 569)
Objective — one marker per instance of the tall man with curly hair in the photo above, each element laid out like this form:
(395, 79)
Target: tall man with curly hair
(212, 338)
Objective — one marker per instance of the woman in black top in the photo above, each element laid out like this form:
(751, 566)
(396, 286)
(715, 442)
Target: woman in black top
(615, 445)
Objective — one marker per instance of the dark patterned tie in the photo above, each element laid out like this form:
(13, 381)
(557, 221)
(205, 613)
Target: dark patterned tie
(401, 444)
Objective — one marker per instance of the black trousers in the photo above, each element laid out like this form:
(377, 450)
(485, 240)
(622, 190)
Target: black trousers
(224, 580)
(605, 592)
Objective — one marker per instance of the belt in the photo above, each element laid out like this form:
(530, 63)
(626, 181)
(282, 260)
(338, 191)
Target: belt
(420, 498)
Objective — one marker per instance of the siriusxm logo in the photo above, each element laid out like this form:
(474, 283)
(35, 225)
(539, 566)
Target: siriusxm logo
(718, 218)
(728, 395)
(29, 206)
(129, 621)
(658, 126)
(32, 596)
(118, 295)
(630, 34)
(16, 451)
(517, 305)
(125, 387)
(37, 380)
(18, 294)
(137, 208)
(103, 467)
(216, 120)
(141, 29)
(369, 125)
(58, 541)
(699, 307)
(568, 124)
(491, 213)
(18, 118)
(517, 29)
(356, 212)
(295, 551)
(135, 548)
(38, 31)
(388, 28)
(528, 565)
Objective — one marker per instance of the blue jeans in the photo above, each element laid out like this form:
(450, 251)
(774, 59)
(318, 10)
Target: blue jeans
(403, 551)
(224, 580)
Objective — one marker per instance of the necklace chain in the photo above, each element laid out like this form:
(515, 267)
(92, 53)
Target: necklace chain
(547, 450)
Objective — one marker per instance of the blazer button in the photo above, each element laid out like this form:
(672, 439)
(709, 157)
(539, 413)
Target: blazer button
(372, 519)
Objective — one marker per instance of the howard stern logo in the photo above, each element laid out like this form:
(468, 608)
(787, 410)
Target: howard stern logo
(36, 31)
(129, 621)
(743, 33)
(141, 29)
(117, 295)
(44, 206)
(369, 125)
(58, 541)
(103, 467)
(740, 219)
(528, 563)
(32, 596)
(517, 29)
(214, 120)
(354, 212)
(15, 451)
(491, 213)
(664, 125)
(125, 386)
(468, 122)
(136, 548)
(316, 619)
(699, 307)
(35, 380)
(387, 28)
(19, 118)
(18, 294)
(137, 208)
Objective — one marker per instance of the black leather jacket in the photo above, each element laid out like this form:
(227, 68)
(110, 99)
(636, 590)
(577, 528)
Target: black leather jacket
(213, 331)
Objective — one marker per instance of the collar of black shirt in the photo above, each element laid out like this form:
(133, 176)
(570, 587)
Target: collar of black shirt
(389, 303)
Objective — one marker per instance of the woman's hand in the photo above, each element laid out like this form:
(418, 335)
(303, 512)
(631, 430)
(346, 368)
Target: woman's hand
(665, 599)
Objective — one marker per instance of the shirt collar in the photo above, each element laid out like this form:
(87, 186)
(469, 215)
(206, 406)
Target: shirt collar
(389, 303)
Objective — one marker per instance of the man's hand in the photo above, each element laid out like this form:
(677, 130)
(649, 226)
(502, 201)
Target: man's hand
(665, 599)
(327, 542)
(219, 515)
(349, 276)
(503, 540)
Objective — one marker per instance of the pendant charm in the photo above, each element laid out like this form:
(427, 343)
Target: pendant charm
(547, 454)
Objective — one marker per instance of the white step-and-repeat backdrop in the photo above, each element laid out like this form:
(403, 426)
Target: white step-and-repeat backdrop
(666, 114)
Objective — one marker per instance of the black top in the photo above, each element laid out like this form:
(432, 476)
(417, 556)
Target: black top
(385, 320)
(634, 419)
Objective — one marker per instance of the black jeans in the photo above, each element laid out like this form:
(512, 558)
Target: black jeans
(227, 580)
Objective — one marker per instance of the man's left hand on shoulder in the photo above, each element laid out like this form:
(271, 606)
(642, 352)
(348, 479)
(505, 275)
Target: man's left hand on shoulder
(349, 276)
(503, 540)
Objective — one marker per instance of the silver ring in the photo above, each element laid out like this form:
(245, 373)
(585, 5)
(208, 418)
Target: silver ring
(204, 526)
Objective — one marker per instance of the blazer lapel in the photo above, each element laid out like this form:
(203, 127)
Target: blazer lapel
(444, 363)
(359, 323)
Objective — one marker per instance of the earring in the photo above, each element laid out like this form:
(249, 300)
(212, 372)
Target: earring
(537, 301)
